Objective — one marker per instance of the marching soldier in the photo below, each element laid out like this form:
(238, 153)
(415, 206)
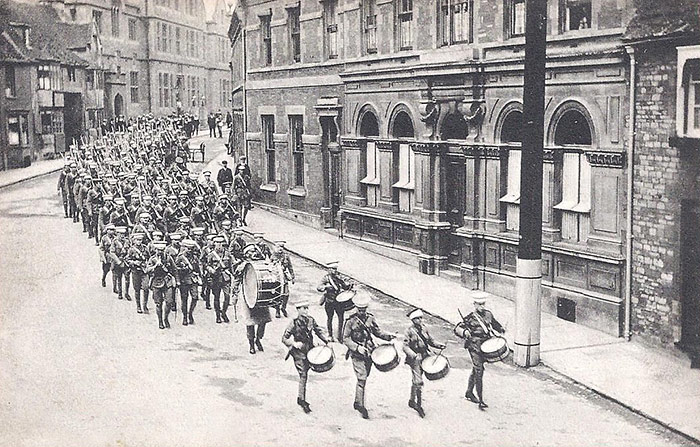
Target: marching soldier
(161, 268)
(188, 267)
(119, 216)
(117, 257)
(103, 217)
(136, 258)
(331, 285)
(237, 243)
(105, 250)
(357, 336)
(259, 241)
(198, 214)
(241, 187)
(63, 189)
(417, 343)
(68, 186)
(298, 337)
(171, 215)
(281, 258)
(478, 326)
(219, 269)
(172, 250)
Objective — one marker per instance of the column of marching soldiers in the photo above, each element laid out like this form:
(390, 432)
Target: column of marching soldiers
(160, 231)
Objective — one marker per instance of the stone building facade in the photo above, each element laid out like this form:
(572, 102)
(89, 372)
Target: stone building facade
(398, 122)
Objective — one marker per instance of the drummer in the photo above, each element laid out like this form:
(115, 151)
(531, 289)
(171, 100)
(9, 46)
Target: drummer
(478, 327)
(357, 336)
(299, 338)
(417, 342)
(332, 285)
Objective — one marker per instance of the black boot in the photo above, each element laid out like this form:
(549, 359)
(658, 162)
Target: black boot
(259, 345)
(218, 315)
(304, 405)
(419, 403)
(138, 303)
(278, 314)
(251, 343)
(225, 317)
(167, 314)
(284, 311)
(193, 304)
(159, 311)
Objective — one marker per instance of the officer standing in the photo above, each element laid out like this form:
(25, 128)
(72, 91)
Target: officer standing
(224, 176)
(189, 272)
(281, 258)
(104, 249)
(357, 336)
(161, 269)
(298, 337)
(416, 345)
(117, 257)
(219, 269)
(478, 327)
(136, 258)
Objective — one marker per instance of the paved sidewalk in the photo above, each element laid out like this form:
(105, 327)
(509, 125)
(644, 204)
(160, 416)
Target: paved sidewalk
(11, 177)
(644, 379)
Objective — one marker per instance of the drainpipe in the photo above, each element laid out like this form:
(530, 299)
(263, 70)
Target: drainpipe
(630, 193)
(245, 92)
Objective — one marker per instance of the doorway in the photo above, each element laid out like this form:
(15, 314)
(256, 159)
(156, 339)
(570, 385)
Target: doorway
(690, 279)
(73, 117)
(331, 169)
(118, 105)
(456, 203)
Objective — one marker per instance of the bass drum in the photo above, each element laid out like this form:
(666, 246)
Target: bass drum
(344, 300)
(261, 284)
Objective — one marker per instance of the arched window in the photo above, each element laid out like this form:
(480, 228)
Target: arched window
(454, 127)
(369, 127)
(572, 129)
(512, 127)
(402, 126)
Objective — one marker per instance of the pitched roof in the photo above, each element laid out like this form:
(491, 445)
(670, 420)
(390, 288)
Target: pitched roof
(49, 38)
(664, 18)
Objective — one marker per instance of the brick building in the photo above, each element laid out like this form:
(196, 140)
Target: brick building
(664, 41)
(43, 101)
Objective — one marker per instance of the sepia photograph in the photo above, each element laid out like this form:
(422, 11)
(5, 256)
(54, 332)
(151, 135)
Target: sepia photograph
(350, 223)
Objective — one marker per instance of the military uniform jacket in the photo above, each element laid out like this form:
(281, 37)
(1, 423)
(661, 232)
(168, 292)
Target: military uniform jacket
(282, 258)
(331, 285)
(94, 199)
(265, 250)
(240, 186)
(301, 329)
(161, 268)
(417, 341)
(137, 257)
(103, 217)
(219, 267)
(237, 246)
(117, 253)
(475, 332)
(358, 332)
(198, 216)
(105, 247)
(119, 217)
(188, 268)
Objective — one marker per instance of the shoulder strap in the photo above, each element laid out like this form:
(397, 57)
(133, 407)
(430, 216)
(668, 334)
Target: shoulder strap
(483, 324)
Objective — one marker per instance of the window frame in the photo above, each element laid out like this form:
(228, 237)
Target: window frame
(511, 18)
(296, 146)
(10, 82)
(404, 16)
(132, 31)
(114, 16)
(97, 18)
(267, 127)
(369, 26)
(294, 33)
(266, 39)
(330, 17)
(22, 129)
(446, 22)
(565, 15)
(134, 86)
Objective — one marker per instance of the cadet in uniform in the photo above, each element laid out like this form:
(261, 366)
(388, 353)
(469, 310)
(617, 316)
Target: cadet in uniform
(105, 249)
(219, 269)
(331, 285)
(136, 258)
(478, 327)
(298, 337)
(188, 267)
(357, 336)
(281, 258)
(117, 256)
(161, 268)
(417, 342)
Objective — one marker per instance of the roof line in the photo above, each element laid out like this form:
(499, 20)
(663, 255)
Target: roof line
(14, 45)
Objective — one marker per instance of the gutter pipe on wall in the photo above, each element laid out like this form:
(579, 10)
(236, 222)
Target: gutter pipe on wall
(630, 192)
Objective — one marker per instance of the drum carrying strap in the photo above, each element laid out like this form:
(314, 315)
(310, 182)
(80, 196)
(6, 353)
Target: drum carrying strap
(483, 324)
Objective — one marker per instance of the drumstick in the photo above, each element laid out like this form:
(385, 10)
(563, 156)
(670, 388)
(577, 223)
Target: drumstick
(439, 354)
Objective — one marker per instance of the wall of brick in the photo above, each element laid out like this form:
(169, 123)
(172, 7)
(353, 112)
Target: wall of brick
(657, 189)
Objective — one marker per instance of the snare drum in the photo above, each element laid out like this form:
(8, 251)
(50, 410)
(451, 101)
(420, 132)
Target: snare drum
(261, 284)
(344, 300)
(321, 358)
(460, 330)
(385, 357)
(435, 367)
(495, 349)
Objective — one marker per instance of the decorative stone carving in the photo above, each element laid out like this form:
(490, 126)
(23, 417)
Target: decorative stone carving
(429, 111)
(606, 159)
(425, 147)
(474, 118)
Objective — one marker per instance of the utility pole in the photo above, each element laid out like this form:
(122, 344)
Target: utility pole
(528, 297)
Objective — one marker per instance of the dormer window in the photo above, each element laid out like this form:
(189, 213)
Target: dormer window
(688, 93)
(23, 32)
